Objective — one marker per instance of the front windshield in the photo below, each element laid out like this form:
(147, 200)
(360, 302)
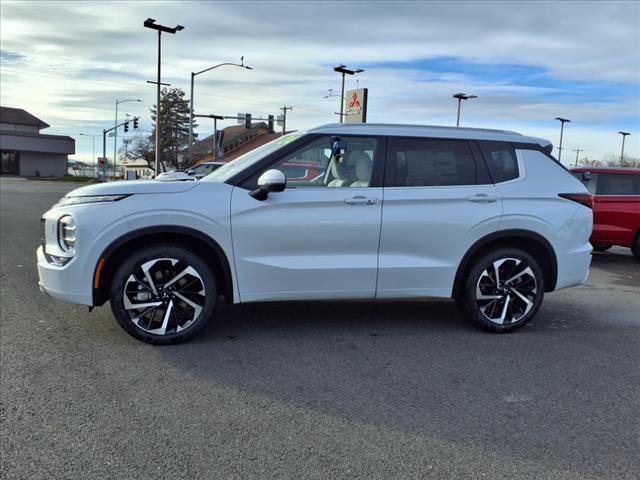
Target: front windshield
(228, 170)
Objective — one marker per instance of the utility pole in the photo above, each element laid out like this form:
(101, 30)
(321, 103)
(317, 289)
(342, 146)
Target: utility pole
(342, 69)
(562, 122)
(460, 97)
(624, 134)
(151, 23)
(577, 153)
(284, 117)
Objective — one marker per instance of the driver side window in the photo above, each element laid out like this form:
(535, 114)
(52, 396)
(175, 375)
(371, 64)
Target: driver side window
(312, 166)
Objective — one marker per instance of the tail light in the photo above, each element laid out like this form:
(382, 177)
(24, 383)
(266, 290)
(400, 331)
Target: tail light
(585, 199)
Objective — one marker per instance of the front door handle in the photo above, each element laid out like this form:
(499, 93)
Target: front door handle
(482, 198)
(361, 200)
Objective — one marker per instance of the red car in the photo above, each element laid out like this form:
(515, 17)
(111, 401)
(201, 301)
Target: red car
(616, 206)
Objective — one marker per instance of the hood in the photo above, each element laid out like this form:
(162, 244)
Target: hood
(131, 187)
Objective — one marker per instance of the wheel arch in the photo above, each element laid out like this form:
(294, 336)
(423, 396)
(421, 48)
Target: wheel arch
(196, 240)
(529, 241)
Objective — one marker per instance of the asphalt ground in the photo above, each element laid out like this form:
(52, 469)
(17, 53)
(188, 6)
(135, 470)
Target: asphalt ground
(369, 390)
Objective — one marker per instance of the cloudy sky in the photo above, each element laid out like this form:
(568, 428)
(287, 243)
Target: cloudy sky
(528, 62)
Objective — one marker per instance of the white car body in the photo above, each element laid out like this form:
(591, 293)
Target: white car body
(328, 243)
(173, 176)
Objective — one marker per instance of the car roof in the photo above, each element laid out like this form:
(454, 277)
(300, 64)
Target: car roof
(623, 170)
(436, 131)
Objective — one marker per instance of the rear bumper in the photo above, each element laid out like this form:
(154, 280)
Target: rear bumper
(573, 267)
(62, 283)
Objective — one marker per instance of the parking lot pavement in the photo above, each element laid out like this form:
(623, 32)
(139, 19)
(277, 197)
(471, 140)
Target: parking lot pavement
(316, 390)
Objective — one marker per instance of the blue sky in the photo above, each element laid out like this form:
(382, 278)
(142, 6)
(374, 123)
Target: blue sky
(528, 62)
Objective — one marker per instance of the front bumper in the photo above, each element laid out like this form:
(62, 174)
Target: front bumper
(63, 283)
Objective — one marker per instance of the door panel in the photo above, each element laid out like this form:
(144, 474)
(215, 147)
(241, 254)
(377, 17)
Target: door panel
(433, 212)
(306, 243)
(615, 219)
(426, 232)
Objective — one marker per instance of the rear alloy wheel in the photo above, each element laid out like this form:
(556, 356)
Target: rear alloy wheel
(602, 248)
(163, 295)
(503, 290)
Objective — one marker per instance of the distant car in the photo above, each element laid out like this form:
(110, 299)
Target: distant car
(196, 173)
(616, 206)
(203, 169)
(173, 176)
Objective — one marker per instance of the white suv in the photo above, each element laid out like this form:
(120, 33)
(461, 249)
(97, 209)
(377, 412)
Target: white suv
(487, 217)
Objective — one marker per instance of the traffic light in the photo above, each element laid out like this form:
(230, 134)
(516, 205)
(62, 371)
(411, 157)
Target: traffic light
(126, 127)
(247, 120)
(135, 122)
(270, 122)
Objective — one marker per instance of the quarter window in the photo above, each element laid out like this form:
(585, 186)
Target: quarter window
(501, 160)
(426, 163)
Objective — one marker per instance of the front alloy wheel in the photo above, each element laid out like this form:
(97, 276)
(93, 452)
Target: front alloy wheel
(164, 294)
(504, 290)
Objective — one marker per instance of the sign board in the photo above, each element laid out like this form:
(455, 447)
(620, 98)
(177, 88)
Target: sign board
(112, 134)
(356, 105)
(280, 120)
(241, 118)
(102, 160)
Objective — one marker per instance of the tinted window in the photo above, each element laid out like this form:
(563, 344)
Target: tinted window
(589, 184)
(619, 184)
(426, 163)
(501, 160)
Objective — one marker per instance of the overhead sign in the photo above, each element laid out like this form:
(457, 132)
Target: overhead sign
(356, 106)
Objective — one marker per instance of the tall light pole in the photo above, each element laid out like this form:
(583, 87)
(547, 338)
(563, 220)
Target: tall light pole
(624, 135)
(193, 74)
(115, 133)
(562, 122)
(151, 23)
(577, 153)
(93, 144)
(460, 97)
(344, 71)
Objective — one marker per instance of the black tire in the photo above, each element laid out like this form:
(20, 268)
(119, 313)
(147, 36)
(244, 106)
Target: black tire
(602, 248)
(528, 283)
(189, 295)
(635, 249)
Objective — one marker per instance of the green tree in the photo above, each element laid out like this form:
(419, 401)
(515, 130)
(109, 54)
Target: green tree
(174, 133)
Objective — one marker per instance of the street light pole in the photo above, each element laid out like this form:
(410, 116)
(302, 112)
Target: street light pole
(460, 97)
(115, 134)
(191, 109)
(562, 122)
(151, 23)
(624, 134)
(342, 69)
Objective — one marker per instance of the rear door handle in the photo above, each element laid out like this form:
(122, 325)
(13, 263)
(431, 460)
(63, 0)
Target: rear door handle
(482, 198)
(361, 200)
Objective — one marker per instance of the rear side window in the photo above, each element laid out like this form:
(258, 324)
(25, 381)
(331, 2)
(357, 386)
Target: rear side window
(420, 162)
(619, 184)
(501, 160)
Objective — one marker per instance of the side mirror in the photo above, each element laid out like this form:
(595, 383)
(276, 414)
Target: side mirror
(270, 181)
(586, 176)
(338, 148)
(190, 172)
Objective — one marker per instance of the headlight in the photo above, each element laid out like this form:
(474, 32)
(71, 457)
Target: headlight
(67, 234)
(65, 201)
